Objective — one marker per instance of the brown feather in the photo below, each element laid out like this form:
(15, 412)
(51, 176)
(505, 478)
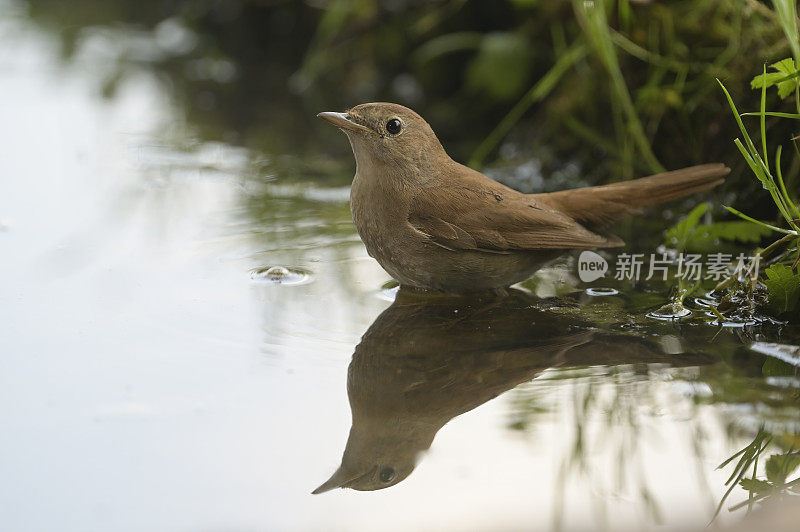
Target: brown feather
(474, 213)
(476, 222)
(601, 206)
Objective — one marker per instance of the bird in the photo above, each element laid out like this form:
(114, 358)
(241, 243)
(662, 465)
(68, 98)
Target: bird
(436, 225)
(425, 360)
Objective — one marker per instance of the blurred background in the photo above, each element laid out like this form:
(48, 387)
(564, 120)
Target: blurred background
(600, 96)
(183, 289)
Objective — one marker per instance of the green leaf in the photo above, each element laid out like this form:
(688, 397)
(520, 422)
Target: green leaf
(770, 78)
(679, 234)
(780, 466)
(737, 231)
(705, 237)
(784, 287)
(784, 78)
(757, 486)
(784, 66)
(785, 88)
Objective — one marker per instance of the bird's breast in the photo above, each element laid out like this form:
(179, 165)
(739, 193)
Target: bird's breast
(380, 214)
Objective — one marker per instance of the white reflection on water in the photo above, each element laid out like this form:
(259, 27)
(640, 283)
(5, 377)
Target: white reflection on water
(147, 383)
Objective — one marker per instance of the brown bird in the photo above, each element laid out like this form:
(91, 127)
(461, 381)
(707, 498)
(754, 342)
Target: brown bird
(434, 224)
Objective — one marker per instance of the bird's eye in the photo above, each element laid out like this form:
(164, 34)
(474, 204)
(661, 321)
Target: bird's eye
(386, 474)
(394, 126)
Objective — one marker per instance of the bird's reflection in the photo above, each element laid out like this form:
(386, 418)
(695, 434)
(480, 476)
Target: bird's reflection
(428, 359)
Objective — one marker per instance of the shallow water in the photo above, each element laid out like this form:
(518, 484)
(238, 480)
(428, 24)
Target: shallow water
(178, 317)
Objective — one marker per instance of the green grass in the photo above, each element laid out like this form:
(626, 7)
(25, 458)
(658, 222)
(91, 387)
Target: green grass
(759, 164)
(769, 173)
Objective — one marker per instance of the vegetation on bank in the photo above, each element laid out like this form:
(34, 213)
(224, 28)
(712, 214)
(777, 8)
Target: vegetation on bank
(778, 261)
(775, 481)
(620, 87)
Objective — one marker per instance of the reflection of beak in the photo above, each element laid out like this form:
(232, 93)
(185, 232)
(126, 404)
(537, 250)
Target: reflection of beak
(343, 121)
(341, 479)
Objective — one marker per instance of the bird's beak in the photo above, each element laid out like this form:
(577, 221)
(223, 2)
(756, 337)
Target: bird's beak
(343, 121)
(341, 479)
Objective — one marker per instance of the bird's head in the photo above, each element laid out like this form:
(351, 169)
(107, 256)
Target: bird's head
(389, 137)
(379, 456)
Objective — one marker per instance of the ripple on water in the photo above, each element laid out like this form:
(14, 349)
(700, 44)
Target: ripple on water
(280, 275)
(706, 301)
(669, 312)
(601, 291)
(730, 322)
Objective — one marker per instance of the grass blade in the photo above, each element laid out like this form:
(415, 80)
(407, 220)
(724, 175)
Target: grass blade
(763, 120)
(539, 91)
(796, 116)
(749, 219)
(750, 146)
(785, 193)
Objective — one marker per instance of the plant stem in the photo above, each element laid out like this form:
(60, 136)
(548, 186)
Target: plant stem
(596, 27)
(539, 91)
(760, 253)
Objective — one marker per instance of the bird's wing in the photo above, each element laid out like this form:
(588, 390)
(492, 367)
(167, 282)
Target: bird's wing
(470, 218)
(599, 207)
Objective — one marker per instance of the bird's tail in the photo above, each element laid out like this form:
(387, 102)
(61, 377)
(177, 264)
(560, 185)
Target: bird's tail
(598, 207)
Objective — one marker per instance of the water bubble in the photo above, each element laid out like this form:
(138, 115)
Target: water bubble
(600, 291)
(280, 275)
(670, 311)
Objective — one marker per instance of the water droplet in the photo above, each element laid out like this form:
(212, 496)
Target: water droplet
(600, 291)
(670, 311)
(280, 275)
